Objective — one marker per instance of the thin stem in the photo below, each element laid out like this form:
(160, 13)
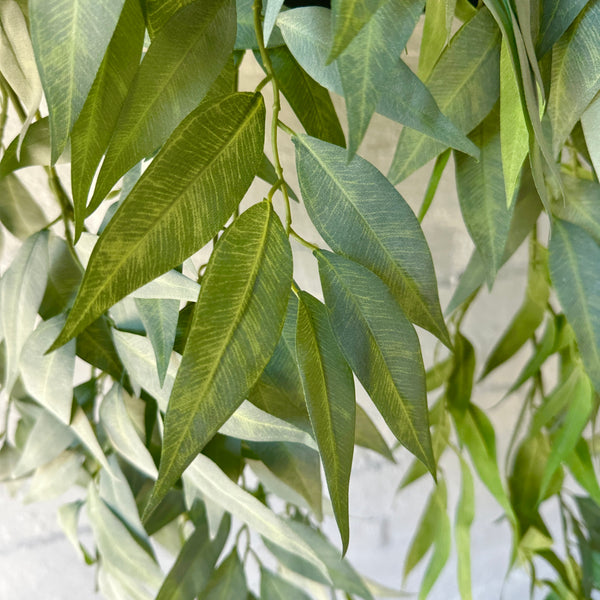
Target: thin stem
(302, 240)
(285, 128)
(266, 60)
(262, 84)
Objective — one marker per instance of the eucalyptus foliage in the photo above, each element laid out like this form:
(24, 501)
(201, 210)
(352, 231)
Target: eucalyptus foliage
(213, 394)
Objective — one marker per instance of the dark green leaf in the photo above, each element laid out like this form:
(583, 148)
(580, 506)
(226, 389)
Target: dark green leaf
(581, 465)
(460, 381)
(158, 13)
(95, 346)
(191, 202)
(240, 313)
(382, 348)
(367, 435)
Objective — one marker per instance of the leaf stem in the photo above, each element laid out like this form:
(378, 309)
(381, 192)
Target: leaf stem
(285, 128)
(304, 242)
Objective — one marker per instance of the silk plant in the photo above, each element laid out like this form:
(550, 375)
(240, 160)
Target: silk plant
(212, 389)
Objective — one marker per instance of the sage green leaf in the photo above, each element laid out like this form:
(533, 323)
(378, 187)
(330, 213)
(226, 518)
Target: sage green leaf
(55, 478)
(272, 8)
(406, 99)
(82, 428)
(246, 36)
(482, 196)
(181, 64)
(460, 381)
(158, 12)
(193, 202)
(228, 582)
(574, 257)
(329, 391)
(235, 328)
(19, 212)
(122, 433)
(309, 100)
(465, 514)
(465, 85)
(48, 378)
(273, 587)
(367, 435)
(21, 292)
(575, 67)
(93, 129)
(439, 15)
(204, 475)
(368, 64)
(160, 321)
(118, 548)
(69, 40)
(382, 348)
(68, 518)
(529, 316)
(348, 19)
(590, 122)
(352, 201)
(514, 135)
(557, 16)
(195, 563)
(581, 466)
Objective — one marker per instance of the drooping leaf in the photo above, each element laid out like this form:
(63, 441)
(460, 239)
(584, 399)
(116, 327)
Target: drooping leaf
(557, 16)
(581, 465)
(350, 203)
(590, 122)
(68, 518)
(273, 587)
(465, 85)
(460, 380)
(329, 392)
(235, 328)
(193, 202)
(574, 257)
(69, 40)
(228, 582)
(94, 127)
(19, 212)
(55, 478)
(368, 436)
(482, 196)
(575, 67)
(95, 345)
(382, 348)
(465, 514)
(48, 378)
(21, 292)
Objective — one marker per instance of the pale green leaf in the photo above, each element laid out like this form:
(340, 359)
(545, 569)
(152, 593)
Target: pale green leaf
(21, 292)
(228, 582)
(575, 74)
(48, 378)
(82, 428)
(183, 61)
(19, 212)
(235, 328)
(574, 260)
(382, 348)
(352, 201)
(93, 129)
(273, 587)
(122, 433)
(482, 196)
(68, 519)
(465, 85)
(368, 436)
(160, 321)
(174, 200)
(465, 514)
(69, 40)
(439, 15)
(581, 465)
(590, 121)
(55, 478)
(557, 15)
(272, 8)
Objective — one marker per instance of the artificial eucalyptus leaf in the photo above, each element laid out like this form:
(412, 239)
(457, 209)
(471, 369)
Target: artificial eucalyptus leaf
(465, 85)
(574, 259)
(69, 40)
(94, 126)
(329, 391)
(273, 587)
(240, 313)
(181, 64)
(382, 348)
(352, 202)
(191, 202)
(19, 212)
(228, 582)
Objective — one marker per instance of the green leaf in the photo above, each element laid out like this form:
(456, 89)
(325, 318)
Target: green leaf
(557, 16)
(240, 313)
(382, 348)
(68, 518)
(19, 212)
(297, 466)
(48, 378)
(204, 475)
(160, 321)
(273, 587)
(368, 436)
(21, 292)
(69, 40)
(158, 13)
(575, 67)
(581, 466)
(368, 64)
(191, 202)
(195, 563)
(590, 122)
(272, 8)
(514, 135)
(122, 433)
(95, 345)
(95, 125)
(439, 15)
(482, 196)
(309, 100)
(460, 380)
(329, 392)
(465, 85)
(55, 478)
(434, 181)
(228, 582)
(465, 514)
(183, 61)
(574, 260)
(353, 201)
